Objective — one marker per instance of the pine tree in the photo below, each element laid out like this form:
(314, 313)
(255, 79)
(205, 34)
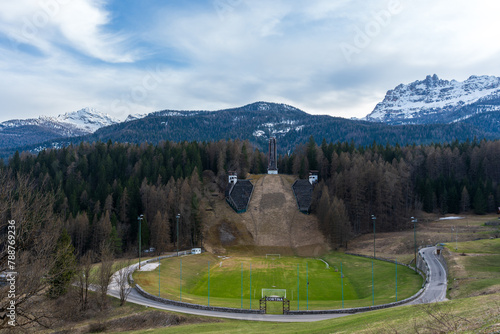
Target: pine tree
(64, 267)
(480, 203)
(465, 200)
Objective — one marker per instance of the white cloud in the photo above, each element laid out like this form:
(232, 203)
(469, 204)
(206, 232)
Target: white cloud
(79, 24)
(283, 51)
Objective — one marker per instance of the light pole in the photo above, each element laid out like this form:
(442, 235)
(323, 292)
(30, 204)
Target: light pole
(374, 220)
(396, 279)
(456, 238)
(177, 230)
(414, 221)
(139, 220)
(159, 276)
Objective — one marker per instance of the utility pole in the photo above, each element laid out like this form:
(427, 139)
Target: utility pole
(374, 220)
(342, 283)
(250, 286)
(396, 279)
(177, 231)
(414, 221)
(159, 276)
(139, 220)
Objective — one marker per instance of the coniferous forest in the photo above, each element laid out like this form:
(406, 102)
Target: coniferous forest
(98, 190)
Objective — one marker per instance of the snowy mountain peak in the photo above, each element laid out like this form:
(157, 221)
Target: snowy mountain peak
(427, 100)
(76, 123)
(87, 119)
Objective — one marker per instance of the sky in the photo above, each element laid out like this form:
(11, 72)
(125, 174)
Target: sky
(332, 57)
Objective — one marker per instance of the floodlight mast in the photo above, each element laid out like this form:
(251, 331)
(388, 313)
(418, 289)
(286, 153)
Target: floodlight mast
(374, 220)
(414, 221)
(139, 220)
(177, 231)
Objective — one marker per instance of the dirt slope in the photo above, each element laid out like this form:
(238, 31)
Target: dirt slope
(272, 223)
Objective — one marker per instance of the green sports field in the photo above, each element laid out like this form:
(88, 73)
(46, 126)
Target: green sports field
(309, 284)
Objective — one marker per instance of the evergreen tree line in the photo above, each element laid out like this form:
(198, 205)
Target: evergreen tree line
(100, 189)
(394, 182)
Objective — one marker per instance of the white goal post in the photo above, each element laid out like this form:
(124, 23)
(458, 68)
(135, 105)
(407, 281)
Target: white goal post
(273, 256)
(273, 293)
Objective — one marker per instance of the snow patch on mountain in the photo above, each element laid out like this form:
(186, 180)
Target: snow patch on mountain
(135, 117)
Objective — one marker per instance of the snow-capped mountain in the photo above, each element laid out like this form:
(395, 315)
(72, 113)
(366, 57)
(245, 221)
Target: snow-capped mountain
(84, 121)
(87, 119)
(434, 100)
(78, 123)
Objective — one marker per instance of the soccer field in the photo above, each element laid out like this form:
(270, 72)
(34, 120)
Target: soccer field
(309, 282)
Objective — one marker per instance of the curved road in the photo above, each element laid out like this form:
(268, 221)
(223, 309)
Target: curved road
(436, 278)
(434, 292)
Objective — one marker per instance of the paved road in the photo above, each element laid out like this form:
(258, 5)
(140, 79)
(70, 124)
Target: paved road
(437, 280)
(435, 292)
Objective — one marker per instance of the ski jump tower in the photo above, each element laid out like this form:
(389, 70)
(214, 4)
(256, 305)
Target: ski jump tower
(272, 156)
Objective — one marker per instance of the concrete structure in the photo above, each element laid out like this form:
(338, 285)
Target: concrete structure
(196, 251)
(272, 157)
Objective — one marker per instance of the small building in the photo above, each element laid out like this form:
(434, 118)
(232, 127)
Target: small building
(313, 177)
(233, 177)
(196, 251)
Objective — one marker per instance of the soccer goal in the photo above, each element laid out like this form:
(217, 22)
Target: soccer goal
(273, 256)
(273, 293)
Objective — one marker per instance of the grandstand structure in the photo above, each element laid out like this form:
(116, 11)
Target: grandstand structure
(303, 189)
(238, 193)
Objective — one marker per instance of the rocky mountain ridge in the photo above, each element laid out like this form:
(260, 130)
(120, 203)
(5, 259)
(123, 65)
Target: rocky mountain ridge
(437, 101)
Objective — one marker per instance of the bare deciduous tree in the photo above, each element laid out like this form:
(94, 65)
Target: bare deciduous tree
(440, 319)
(121, 279)
(104, 275)
(36, 234)
(84, 277)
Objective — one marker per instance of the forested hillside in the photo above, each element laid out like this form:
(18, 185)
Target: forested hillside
(258, 121)
(100, 189)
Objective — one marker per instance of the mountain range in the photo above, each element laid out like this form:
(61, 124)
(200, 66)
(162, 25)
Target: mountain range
(432, 110)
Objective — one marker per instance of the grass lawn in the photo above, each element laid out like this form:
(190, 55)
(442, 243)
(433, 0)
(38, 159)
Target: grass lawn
(230, 281)
(471, 315)
(474, 267)
(485, 246)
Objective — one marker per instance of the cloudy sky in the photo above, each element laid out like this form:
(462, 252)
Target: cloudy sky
(335, 57)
